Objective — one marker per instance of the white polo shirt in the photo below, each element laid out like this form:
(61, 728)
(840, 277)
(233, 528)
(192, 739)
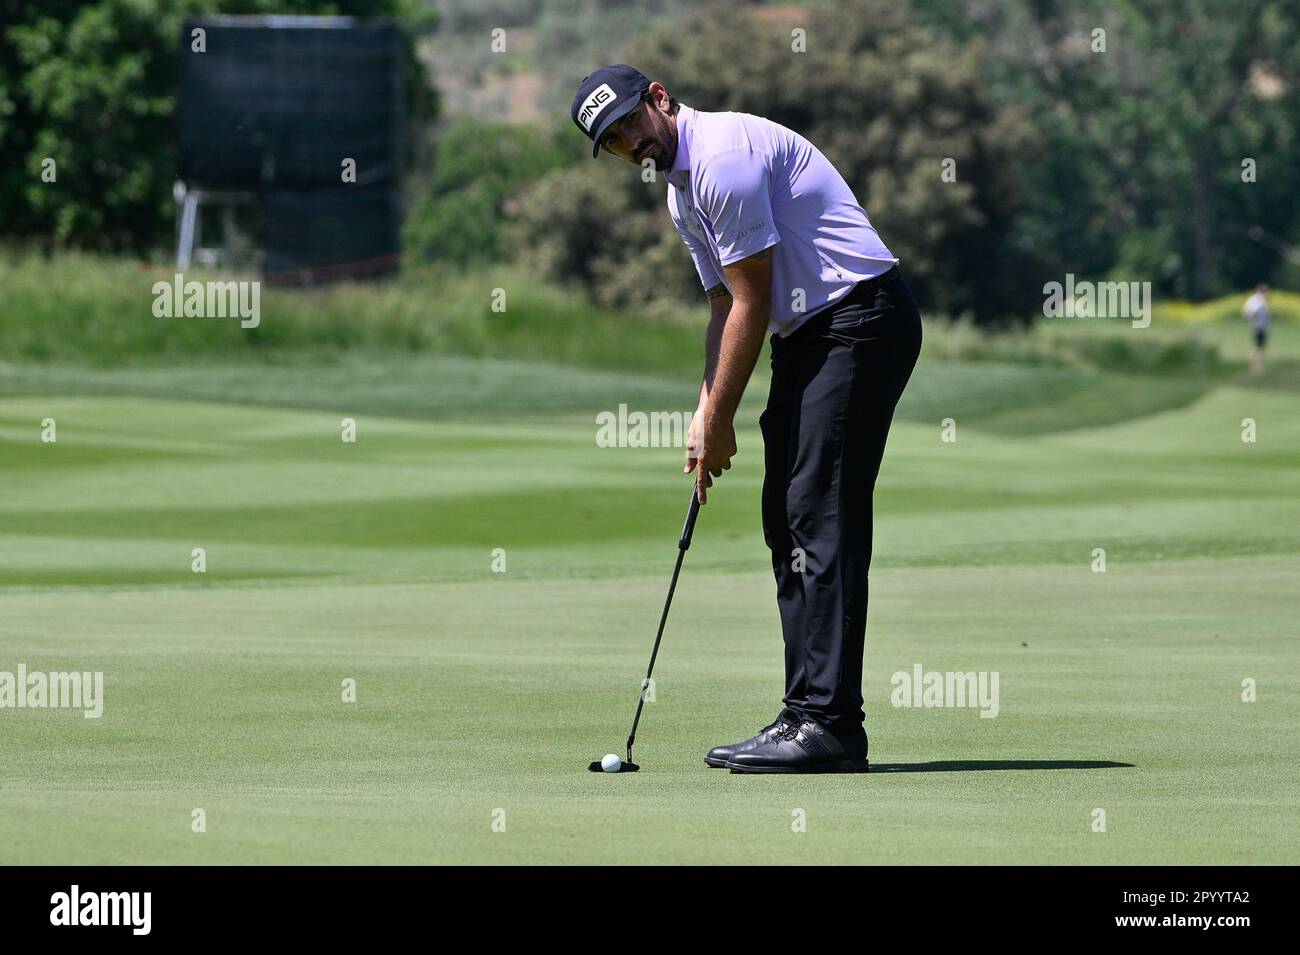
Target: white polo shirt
(741, 183)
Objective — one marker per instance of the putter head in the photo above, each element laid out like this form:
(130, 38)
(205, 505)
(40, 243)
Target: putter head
(625, 768)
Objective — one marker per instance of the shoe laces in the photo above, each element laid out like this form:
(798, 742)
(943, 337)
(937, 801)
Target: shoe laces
(789, 732)
(777, 726)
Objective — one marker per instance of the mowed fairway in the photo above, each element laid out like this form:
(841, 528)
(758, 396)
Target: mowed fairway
(482, 696)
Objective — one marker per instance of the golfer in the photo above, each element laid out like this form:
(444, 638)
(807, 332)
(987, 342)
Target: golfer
(783, 247)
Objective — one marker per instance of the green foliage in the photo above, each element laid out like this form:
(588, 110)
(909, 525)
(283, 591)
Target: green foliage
(886, 135)
(599, 227)
(1284, 306)
(1084, 351)
(1140, 170)
(1125, 354)
(1122, 164)
(93, 86)
(1148, 255)
(79, 309)
(478, 166)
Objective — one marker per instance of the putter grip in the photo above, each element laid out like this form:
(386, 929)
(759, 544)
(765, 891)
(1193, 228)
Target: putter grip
(689, 527)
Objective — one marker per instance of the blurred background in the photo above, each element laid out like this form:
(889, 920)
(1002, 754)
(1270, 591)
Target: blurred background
(1127, 162)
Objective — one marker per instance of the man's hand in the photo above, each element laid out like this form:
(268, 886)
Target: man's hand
(713, 454)
(694, 438)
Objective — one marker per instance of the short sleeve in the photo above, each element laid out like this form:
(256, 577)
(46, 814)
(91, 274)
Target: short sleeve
(734, 192)
(709, 276)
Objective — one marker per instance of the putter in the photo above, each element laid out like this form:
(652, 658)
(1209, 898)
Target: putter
(683, 544)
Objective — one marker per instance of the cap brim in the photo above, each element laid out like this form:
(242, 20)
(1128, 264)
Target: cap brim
(619, 111)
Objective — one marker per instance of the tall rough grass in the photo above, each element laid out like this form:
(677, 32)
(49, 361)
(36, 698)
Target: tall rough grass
(77, 309)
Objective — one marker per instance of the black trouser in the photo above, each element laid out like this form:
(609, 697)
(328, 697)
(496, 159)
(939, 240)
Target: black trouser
(835, 382)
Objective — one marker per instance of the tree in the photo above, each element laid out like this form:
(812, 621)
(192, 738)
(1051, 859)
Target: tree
(598, 226)
(477, 167)
(887, 103)
(1144, 129)
(93, 86)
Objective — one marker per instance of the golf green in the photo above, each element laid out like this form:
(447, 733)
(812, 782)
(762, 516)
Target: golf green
(493, 586)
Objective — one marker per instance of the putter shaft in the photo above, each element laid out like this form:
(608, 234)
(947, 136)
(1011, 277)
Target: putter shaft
(683, 544)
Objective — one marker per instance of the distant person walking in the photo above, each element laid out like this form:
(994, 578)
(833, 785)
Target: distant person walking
(1257, 313)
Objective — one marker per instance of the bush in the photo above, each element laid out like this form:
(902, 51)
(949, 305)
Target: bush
(600, 227)
(1137, 355)
(1285, 308)
(478, 166)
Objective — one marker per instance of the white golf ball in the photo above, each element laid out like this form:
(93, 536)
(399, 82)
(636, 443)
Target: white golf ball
(611, 763)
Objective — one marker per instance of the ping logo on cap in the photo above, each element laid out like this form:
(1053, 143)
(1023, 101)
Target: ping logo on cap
(594, 104)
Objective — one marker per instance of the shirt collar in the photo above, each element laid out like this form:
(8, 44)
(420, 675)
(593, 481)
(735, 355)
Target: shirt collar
(680, 173)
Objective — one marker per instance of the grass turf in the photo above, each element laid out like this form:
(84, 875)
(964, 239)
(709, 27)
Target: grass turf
(480, 692)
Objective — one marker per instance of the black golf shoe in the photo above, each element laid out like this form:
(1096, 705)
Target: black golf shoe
(719, 756)
(804, 748)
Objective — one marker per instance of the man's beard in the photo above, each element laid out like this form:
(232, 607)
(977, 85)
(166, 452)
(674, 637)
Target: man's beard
(664, 161)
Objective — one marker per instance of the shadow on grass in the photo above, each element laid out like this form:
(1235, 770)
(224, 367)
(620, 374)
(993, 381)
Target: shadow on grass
(972, 765)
